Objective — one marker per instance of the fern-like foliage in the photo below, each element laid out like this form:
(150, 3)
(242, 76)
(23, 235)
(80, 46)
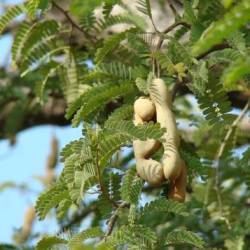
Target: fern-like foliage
(63, 208)
(144, 7)
(184, 237)
(9, 15)
(238, 16)
(48, 70)
(38, 33)
(20, 38)
(164, 205)
(109, 144)
(109, 45)
(32, 6)
(235, 72)
(87, 234)
(110, 71)
(141, 132)
(48, 242)
(94, 99)
(50, 198)
(131, 187)
(136, 236)
(123, 113)
(211, 96)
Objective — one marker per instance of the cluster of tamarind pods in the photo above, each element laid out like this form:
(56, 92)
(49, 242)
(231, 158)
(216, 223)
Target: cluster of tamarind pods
(172, 168)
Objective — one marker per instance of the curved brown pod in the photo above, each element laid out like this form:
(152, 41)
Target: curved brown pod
(172, 167)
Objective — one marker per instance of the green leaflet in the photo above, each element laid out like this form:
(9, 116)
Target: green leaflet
(71, 78)
(117, 19)
(9, 15)
(131, 187)
(136, 236)
(211, 96)
(244, 165)
(184, 237)
(86, 234)
(40, 55)
(144, 7)
(109, 144)
(125, 112)
(19, 41)
(88, 21)
(95, 99)
(114, 70)
(63, 208)
(194, 164)
(109, 45)
(142, 132)
(39, 33)
(50, 198)
(164, 61)
(235, 18)
(31, 7)
(47, 242)
(71, 148)
(235, 72)
(189, 14)
(79, 170)
(164, 205)
(48, 70)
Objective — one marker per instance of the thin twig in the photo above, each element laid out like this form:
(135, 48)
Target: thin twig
(170, 28)
(172, 7)
(161, 40)
(69, 18)
(114, 217)
(220, 153)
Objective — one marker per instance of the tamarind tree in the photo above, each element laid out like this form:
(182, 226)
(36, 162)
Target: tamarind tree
(125, 71)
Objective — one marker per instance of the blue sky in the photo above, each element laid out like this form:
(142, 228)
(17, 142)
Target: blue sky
(24, 161)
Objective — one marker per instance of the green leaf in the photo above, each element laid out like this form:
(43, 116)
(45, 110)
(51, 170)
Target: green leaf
(144, 7)
(95, 99)
(164, 205)
(48, 70)
(115, 70)
(63, 208)
(48, 242)
(135, 236)
(131, 187)
(50, 198)
(9, 15)
(39, 56)
(84, 235)
(125, 112)
(235, 72)
(32, 6)
(109, 45)
(109, 144)
(39, 33)
(184, 237)
(142, 132)
(19, 41)
(233, 20)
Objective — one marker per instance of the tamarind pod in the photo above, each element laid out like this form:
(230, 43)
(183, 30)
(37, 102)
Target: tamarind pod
(177, 190)
(148, 169)
(29, 218)
(144, 108)
(161, 97)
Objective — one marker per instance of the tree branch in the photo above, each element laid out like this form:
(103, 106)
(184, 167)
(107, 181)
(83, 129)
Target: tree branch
(114, 217)
(79, 217)
(69, 18)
